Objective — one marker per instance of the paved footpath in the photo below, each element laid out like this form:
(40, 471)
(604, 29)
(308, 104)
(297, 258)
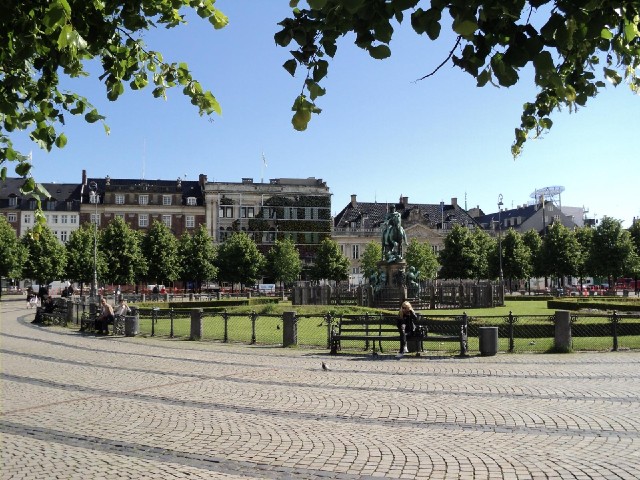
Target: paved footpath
(88, 407)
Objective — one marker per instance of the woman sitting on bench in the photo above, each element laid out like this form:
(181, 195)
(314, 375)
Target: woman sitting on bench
(106, 317)
(406, 326)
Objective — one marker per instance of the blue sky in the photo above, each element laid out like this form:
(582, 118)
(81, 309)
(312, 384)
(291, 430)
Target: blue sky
(380, 135)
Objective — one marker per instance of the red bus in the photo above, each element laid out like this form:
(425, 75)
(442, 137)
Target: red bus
(627, 284)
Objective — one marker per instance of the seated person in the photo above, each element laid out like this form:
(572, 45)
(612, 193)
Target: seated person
(122, 309)
(105, 318)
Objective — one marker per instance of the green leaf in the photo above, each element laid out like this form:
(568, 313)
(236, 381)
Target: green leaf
(465, 27)
(379, 52)
(317, 4)
(290, 66)
(61, 141)
(28, 186)
(606, 34)
(93, 116)
(22, 169)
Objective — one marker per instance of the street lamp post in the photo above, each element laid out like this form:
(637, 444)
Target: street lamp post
(500, 204)
(93, 186)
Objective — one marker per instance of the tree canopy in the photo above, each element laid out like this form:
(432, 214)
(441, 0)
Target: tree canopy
(574, 48)
(44, 40)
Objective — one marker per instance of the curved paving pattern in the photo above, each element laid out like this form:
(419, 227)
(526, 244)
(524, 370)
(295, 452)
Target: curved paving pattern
(77, 406)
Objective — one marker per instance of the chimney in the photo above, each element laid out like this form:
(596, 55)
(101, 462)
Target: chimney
(404, 201)
(354, 202)
(454, 201)
(202, 179)
(84, 177)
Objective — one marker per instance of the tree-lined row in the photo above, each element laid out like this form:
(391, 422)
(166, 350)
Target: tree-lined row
(607, 251)
(123, 256)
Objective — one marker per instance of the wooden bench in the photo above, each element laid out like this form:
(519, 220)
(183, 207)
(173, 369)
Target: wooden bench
(88, 324)
(375, 329)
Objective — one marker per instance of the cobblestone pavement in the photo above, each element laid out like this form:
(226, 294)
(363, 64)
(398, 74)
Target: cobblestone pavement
(79, 406)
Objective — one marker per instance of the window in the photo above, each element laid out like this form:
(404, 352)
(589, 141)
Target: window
(119, 215)
(54, 218)
(190, 221)
(225, 212)
(191, 201)
(246, 212)
(355, 251)
(12, 217)
(143, 199)
(143, 220)
(64, 218)
(95, 218)
(119, 199)
(166, 219)
(51, 205)
(32, 204)
(74, 219)
(94, 198)
(64, 236)
(166, 199)
(270, 212)
(13, 201)
(27, 218)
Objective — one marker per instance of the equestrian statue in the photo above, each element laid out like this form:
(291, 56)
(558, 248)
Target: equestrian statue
(393, 238)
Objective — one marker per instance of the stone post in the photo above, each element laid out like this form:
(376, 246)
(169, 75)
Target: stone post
(563, 341)
(196, 324)
(289, 329)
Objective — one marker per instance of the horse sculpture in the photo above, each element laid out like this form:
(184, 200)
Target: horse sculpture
(393, 238)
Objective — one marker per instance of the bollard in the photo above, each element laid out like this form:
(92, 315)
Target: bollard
(196, 324)
(289, 329)
(563, 341)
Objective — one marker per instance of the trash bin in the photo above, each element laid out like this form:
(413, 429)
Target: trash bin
(488, 340)
(131, 325)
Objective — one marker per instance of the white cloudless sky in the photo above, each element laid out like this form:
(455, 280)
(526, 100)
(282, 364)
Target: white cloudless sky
(380, 135)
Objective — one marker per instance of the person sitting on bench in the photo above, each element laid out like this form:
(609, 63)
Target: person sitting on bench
(406, 326)
(106, 317)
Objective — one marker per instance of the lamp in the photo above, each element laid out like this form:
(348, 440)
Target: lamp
(500, 204)
(93, 196)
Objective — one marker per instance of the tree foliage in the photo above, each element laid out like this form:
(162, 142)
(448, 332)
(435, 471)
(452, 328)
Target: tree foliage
(612, 250)
(371, 255)
(239, 260)
(12, 253)
(42, 41)
(80, 255)
(283, 261)
(560, 252)
(197, 256)
(46, 257)
(123, 254)
(459, 256)
(160, 249)
(516, 257)
(574, 48)
(420, 256)
(330, 263)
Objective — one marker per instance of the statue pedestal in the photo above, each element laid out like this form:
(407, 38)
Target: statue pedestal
(394, 291)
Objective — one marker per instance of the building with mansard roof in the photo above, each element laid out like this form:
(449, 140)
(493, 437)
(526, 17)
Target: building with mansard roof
(359, 223)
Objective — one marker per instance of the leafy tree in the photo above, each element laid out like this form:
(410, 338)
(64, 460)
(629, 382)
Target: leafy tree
(486, 248)
(197, 256)
(283, 262)
(371, 255)
(421, 257)
(584, 236)
(564, 42)
(634, 231)
(612, 250)
(41, 41)
(330, 263)
(239, 260)
(12, 253)
(121, 247)
(160, 249)
(532, 240)
(80, 258)
(46, 257)
(560, 252)
(516, 257)
(459, 255)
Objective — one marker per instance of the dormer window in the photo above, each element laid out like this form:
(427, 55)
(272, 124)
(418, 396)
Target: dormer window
(191, 201)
